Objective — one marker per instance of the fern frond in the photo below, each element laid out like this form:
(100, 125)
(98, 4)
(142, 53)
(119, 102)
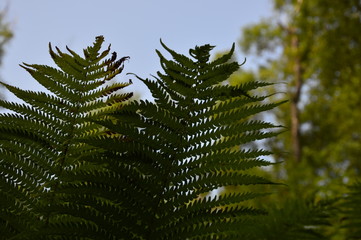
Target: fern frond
(78, 163)
(350, 208)
(40, 148)
(188, 143)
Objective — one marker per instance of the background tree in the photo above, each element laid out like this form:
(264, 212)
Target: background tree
(314, 47)
(5, 34)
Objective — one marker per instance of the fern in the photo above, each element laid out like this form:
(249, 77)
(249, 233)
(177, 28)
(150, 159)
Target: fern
(39, 141)
(296, 219)
(182, 147)
(78, 163)
(350, 209)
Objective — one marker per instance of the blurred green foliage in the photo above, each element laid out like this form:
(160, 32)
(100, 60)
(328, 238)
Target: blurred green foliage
(5, 35)
(328, 54)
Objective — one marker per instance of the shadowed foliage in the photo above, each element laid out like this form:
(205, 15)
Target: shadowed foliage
(79, 163)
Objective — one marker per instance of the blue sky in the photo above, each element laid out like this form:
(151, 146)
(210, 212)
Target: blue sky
(133, 27)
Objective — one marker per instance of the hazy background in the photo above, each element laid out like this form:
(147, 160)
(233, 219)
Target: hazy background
(132, 27)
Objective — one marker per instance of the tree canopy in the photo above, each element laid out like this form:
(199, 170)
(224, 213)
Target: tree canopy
(314, 48)
(5, 35)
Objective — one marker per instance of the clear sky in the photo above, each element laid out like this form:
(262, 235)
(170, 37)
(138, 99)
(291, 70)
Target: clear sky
(133, 27)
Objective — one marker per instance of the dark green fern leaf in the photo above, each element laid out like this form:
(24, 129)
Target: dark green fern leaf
(40, 149)
(77, 163)
(186, 144)
(351, 212)
(295, 219)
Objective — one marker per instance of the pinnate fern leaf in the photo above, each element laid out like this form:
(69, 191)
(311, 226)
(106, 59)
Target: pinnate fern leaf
(350, 209)
(40, 147)
(76, 162)
(184, 145)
